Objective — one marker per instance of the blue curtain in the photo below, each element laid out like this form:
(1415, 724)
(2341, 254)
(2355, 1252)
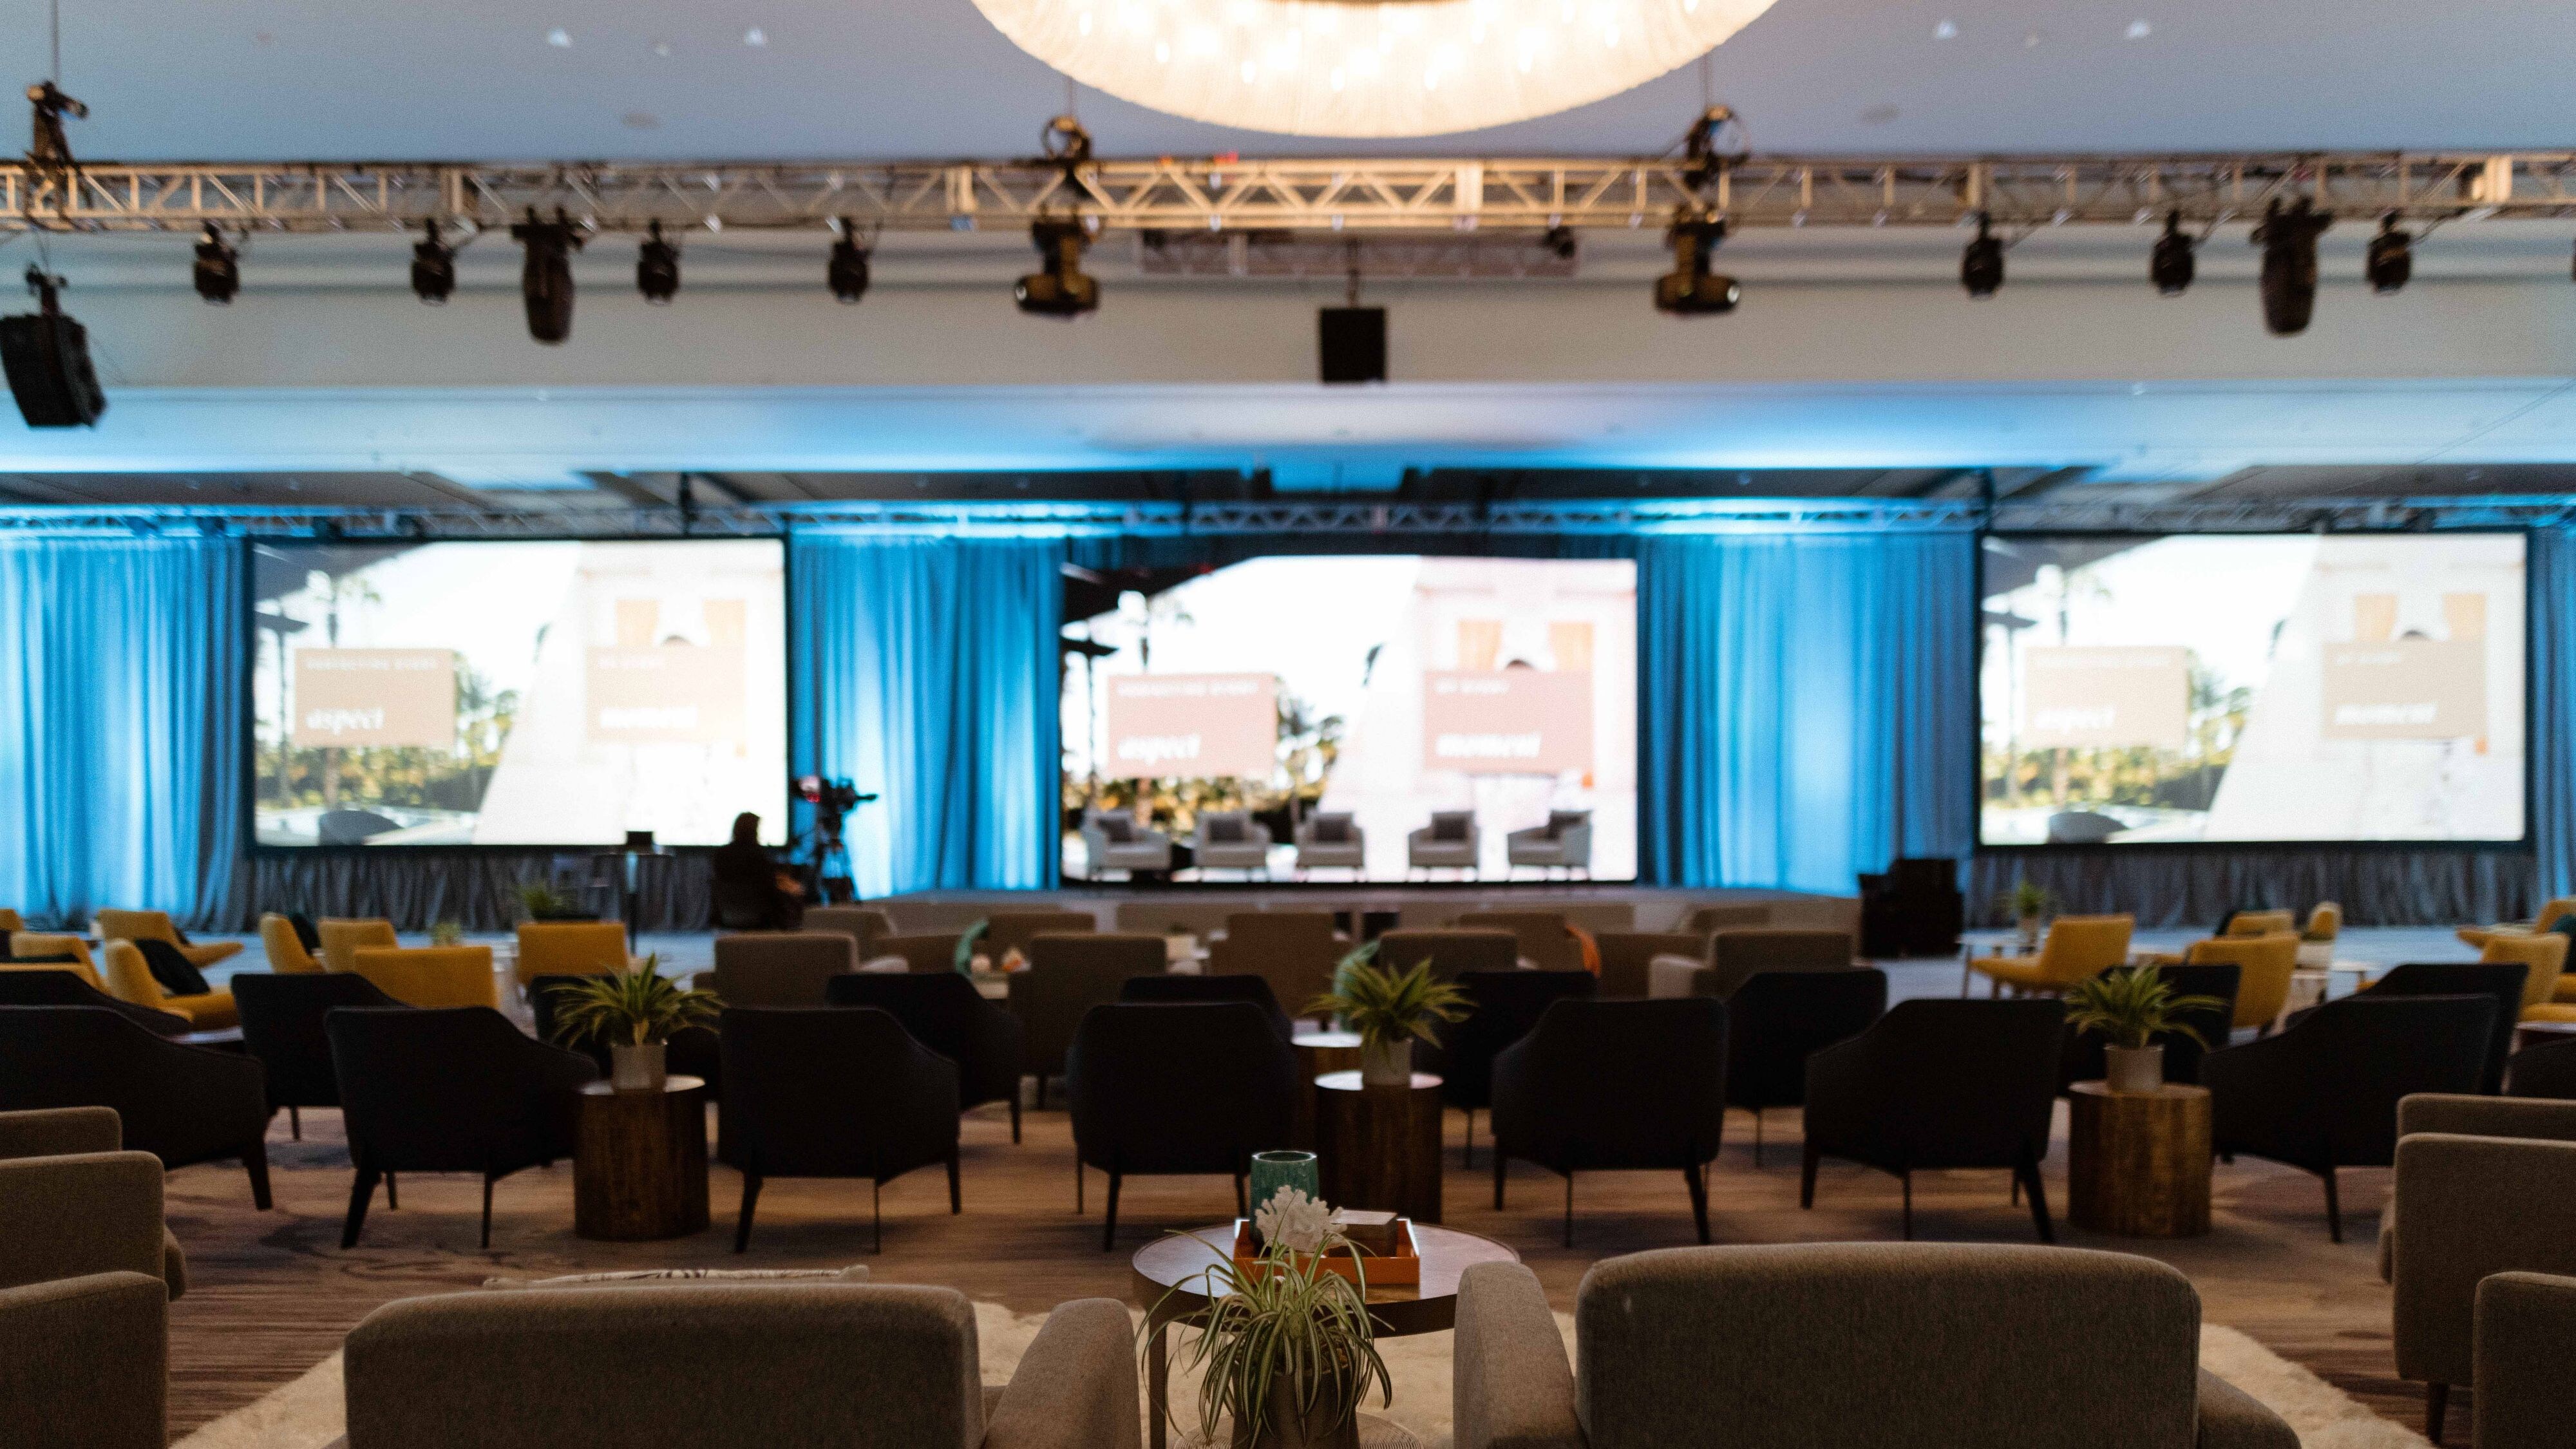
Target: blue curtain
(1809, 704)
(925, 670)
(121, 674)
(2552, 746)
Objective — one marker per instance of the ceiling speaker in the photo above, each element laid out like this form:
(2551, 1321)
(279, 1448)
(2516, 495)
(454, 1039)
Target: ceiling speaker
(1353, 343)
(46, 355)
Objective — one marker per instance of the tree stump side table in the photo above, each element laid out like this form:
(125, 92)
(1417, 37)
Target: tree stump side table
(640, 1162)
(1318, 1054)
(1380, 1146)
(2138, 1163)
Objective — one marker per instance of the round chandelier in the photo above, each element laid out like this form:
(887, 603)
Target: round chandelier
(1366, 67)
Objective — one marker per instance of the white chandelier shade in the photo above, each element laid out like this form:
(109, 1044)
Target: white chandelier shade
(1367, 67)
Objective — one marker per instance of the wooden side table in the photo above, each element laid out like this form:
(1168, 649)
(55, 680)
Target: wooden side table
(1318, 1053)
(1380, 1145)
(2138, 1162)
(640, 1162)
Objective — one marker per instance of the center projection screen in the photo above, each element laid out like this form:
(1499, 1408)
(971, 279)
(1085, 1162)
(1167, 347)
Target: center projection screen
(1381, 688)
(2269, 688)
(518, 693)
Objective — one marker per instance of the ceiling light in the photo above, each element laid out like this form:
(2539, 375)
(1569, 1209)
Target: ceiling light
(545, 282)
(559, 38)
(1061, 290)
(2288, 238)
(1981, 265)
(1690, 289)
(218, 270)
(657, 268)
(2391, 258)
(847, 273)
(433, 268)
(2170, 265)
(1384, 68)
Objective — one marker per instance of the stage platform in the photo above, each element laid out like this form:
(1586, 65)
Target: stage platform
(1199, 909)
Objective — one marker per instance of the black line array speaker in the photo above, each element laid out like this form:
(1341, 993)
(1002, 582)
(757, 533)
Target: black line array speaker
(1353, 343)
(46, 355)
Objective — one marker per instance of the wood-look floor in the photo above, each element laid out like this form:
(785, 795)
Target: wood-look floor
(273, 1293)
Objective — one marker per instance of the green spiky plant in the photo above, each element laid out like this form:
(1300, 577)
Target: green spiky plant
(2132, 1007)
(2027, 900)
(1384, 1005)
(543, 902)
(633, 1007)
(1283, 1324)
(447, 933)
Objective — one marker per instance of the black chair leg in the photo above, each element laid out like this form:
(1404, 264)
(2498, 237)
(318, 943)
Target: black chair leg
(295, 1122)
(1498, 1179)
(1697, 1177)
(742, 1219)
(2334, 1208)
(1757, 1138)
(1569, 1209)
(2437, 1402)
(255, 1161)
(1807, 1177)
(360, 1191)
(393, 1194)
(1015, 1114)
(1077, 1187)
(1905, 1213)
(956, 1198)
(488, 1180)
(1109, 1229)
(2039, 1203)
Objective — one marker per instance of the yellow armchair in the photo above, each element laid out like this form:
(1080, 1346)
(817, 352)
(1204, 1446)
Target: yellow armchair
(2077, 948)
(2325, 922)
(28, 945)
(2263, 966)
(2550, 915)
(2260, 923)
(343, 939)
(11, 921)
(157, 926)
(570, 948)
(130, 979)
(2546, 956)
(431, 975)
(286, 953)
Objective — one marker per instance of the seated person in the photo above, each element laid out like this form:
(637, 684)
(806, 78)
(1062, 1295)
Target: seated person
(752, 892)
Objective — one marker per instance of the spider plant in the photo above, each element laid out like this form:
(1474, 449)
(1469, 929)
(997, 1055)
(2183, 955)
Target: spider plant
(1384, 1005)
(543, 902)
(633, 1007)
(2133, 1007)
(1285, 1346)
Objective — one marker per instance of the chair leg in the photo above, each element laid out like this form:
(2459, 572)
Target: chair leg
(1470, 1148)
(956, 1198)
(1697, 1178)
(1569, 1208)
(2334, 1208)
(2039, 1202)
(1109, 1228)
(742, 1219)
(393, 1194)
(1015, 1114)
(1807, 1177)
(295, 1122)
(255, 1161)
(488, 1180)
(2437, 1401)
(1905, 1213)
(1757, 1137)
(2016, 1187)
(1077, 1187)
(360, 1191)
(1498, 1179)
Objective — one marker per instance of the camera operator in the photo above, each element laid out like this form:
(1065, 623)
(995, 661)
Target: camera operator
(752, 891)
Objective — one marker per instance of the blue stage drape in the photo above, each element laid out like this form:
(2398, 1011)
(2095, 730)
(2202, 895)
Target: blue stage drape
(2552, 747)
(1809, 704)
(122, 668)
(924, 669)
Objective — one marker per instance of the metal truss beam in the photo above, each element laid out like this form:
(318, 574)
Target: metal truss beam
(1287, 194)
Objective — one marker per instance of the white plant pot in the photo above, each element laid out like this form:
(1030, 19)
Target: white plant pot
(2029, 927)
(633, 1068)
(2135, 1069)
(1386, 1063)
(2316, 955)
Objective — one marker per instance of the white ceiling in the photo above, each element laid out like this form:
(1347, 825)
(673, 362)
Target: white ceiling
(270, 79)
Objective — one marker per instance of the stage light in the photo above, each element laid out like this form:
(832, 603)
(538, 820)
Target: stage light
(1690, 289)
(545, 281)
(1061, 290)
(2288, 237)
(218, 270)
(657, 268)
(433, 268)
(2391, 258)
(847, 273)
(2170, 265)
(1981, 265)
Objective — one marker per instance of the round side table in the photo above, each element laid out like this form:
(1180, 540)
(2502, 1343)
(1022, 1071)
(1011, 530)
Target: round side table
(1318, 1053)
(1380, 1145)
(2138, 1163)
(640, 1162)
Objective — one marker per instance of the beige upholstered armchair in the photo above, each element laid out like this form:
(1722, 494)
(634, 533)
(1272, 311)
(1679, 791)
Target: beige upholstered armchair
(1229, 840)
(1331, 840)
(1113, 840)
(1563, 843)
(2526, 1334)
(1850, 1344)
(1449, 842)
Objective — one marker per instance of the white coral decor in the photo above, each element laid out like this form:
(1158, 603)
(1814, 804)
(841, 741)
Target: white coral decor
(1294, 1221)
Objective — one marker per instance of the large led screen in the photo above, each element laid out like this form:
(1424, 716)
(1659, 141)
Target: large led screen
(1358, 697)
(518, 693)
(2259, 688)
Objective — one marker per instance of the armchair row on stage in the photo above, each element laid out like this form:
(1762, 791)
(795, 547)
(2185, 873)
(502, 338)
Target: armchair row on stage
(1231, 840)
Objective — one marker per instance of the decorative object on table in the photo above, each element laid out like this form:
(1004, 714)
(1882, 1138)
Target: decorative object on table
(1397, 1264)
(1283, 1171)
(2132, 1007)
(2028, 903)
(1013, 961)
(447, 933)
(1371, 1231)
(636, 1012)
(1284, 1348)
(968, 955)
(1291, 1219)
(543, 902)
(2317, 938)
(1390, 1010)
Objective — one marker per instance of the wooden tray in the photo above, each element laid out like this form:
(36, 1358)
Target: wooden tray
(1401, 1268)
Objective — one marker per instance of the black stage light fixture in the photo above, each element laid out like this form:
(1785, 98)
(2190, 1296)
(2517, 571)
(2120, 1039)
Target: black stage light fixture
(2288, 237)
(433, 267)
(1061, 290)
(1352, 343)
(847, 273)
(1690, 289)
(1981, 265)
(2170, 265)
(545, 282)
(218, 269)
(1560, 242)
(657, 267)
(2391, 258)
(46, 356)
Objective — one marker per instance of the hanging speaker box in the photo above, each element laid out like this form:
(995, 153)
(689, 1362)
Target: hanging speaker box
(1353, 343)
(46, 355)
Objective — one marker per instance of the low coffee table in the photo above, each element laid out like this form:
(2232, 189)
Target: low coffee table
(640, 1162)
(1162, 1267)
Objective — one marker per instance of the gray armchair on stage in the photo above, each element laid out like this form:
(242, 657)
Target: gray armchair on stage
(1758, 1345)
(1230, 840)
(1112, 840)
(1449, 842)
(1563, 843)
(1331, 840)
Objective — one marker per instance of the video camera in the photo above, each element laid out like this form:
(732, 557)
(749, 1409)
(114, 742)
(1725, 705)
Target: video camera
(832, 798)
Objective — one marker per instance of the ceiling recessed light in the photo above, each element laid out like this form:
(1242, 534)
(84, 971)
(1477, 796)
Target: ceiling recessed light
(559, 38)
(661, 47)
(2031, 41)
(2140, 30)
(755, 36)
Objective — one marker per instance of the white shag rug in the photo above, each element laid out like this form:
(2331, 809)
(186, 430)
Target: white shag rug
(307, 1414)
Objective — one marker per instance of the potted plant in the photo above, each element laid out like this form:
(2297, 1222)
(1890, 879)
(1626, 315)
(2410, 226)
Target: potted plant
(447, 933)
(636, 1012)
(2028, 903)
(2131, 1008)
(1390, 1010)
(543, 902)
(1284, 1348)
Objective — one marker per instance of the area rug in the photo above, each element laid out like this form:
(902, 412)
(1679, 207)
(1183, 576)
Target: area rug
(307, 1414)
